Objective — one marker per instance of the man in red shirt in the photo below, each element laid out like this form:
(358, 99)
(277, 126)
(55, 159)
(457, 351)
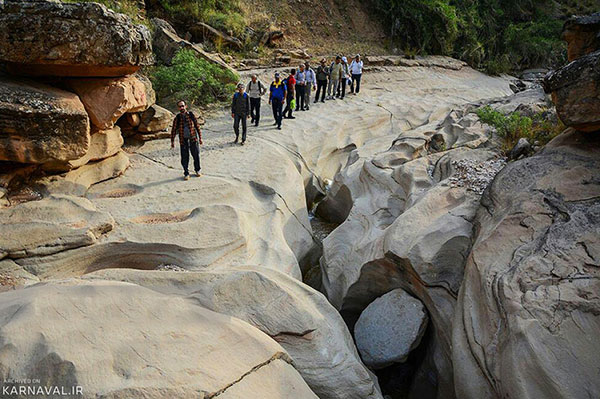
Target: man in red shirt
(290, 83)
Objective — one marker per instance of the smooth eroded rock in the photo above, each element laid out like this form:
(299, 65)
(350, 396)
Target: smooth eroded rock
(298, 317)
(390, 328)
(107, 99)
(77, 181)
(40, 123)
(119, 340)
(50, 225)
(71, 39)
(528, 312)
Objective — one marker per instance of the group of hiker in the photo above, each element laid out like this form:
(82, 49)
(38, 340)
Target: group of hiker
(293, 91)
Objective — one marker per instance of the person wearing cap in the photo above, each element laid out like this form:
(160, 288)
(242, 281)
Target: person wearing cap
(290, 83)
(344, 76)
(277, 94)
(356, 68)
(255, 90)
(322, 75)
(335, 72)
(300, 87)
(311, 84)
(240, 111)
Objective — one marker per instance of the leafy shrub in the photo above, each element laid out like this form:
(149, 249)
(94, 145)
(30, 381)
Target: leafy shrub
(127, 7)
(194, 79)
(514, 126)
(496, 35)
(224, 15)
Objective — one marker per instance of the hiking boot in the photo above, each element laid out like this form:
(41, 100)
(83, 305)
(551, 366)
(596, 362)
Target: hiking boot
(322, 101)
(186, 177)
(198, 174)
(292, 117)
(243, 142)
(235, 141)
(278, 127)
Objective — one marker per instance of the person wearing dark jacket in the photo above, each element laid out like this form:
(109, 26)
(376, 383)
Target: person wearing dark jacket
(185, 126)
(322, 75)
(240, 111)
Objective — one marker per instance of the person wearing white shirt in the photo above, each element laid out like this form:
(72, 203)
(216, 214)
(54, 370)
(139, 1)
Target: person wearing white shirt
(255, 90)
(311, 83)
(356, 68)
(300, 88)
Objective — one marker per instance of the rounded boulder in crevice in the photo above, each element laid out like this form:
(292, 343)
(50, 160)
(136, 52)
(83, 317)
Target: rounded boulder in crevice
(390, 328)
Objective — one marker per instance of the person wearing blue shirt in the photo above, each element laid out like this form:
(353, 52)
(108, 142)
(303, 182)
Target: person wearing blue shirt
(277, 93)
(300, 88)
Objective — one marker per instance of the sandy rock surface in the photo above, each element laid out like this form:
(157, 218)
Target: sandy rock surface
(119, 340)
(529, 303)
(293, 314)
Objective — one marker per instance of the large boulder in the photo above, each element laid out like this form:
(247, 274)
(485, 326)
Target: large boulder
(201, 31)
(155, 119)
(71, 39)
(118, 340)
(390, 328)
(39, 123)
(166, 43)
(582, 33)
(79, 180)
(298, 317)
(107, 99)
(528, 312)
(51, 225)
(575, 91)
(103, 144)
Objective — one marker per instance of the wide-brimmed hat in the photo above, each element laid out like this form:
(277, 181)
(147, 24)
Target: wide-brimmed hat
(344, 59)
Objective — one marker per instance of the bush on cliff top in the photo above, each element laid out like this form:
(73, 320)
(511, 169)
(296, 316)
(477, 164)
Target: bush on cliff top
(193, 79)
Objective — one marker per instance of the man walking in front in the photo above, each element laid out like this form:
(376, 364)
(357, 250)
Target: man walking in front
(322, 75)
(240, 111)
(277, 93)
(356, 68)
(255, 90)
(185, 126)
(311, 83)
